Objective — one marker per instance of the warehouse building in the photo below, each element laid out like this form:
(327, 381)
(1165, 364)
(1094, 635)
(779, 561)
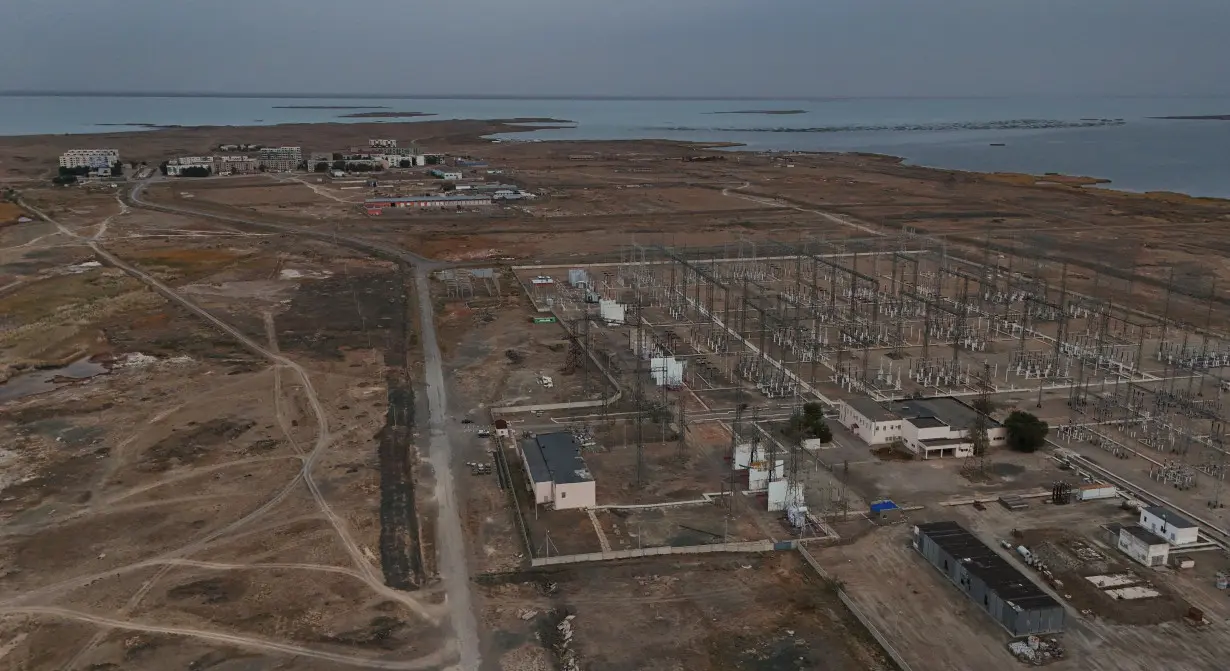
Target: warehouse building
(419, 202)
(555, 471)
(1007, 595)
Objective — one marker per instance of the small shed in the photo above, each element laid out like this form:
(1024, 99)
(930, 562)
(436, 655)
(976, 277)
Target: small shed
(501, 428)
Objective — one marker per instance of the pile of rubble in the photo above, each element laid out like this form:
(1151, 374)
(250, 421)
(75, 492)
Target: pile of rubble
(1037, 651)
(568, 660)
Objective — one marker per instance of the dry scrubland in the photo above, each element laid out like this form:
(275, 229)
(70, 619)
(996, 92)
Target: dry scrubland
(159, 514)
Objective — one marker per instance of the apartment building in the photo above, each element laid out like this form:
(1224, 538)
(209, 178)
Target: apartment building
(235, 165)
(89, 158)
(281, 159)
(177, 166)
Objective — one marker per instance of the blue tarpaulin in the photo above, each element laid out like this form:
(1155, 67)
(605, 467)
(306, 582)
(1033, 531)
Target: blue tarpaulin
(882, 506)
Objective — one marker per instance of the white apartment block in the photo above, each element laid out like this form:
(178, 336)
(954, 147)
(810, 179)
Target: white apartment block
(176, 166)
(89, 158)
(384, 144)
(235, 165)
(281, 159)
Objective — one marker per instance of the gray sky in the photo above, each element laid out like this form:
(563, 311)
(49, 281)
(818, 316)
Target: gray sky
(621, 47)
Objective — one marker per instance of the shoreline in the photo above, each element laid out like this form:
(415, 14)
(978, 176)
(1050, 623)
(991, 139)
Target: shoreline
(463, 131)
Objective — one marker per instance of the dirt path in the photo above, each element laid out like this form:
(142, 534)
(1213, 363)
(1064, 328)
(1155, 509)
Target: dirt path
(451, 542)
(454, 569)
(324, 439)
(430, 661)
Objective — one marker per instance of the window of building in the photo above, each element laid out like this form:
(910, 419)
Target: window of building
(563, 495)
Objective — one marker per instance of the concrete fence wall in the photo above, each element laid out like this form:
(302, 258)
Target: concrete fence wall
(858, 614)
(751, 546)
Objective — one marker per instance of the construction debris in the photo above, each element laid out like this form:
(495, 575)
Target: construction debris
(1037, 651)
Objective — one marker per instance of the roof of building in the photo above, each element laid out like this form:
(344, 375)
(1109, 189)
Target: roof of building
(534, 461)
(1173, 519)
(870, 409)
(949, 410)
(926, 422)
(1142, 534)
(980, 560)
(555, 457)
(431, 199)
(562, 453)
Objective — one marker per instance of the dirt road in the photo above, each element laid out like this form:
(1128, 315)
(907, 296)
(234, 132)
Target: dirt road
(454, 568)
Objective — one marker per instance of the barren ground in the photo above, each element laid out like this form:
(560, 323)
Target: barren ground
(155, 508)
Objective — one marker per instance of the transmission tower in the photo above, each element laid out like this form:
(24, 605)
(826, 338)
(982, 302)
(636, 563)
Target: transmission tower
(638, 391)
(976, 463)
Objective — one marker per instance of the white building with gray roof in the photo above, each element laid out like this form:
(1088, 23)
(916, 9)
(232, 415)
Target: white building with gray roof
(928, 427)
(555, 471)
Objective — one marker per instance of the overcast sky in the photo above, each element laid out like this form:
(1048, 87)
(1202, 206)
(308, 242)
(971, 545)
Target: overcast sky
(620, 47)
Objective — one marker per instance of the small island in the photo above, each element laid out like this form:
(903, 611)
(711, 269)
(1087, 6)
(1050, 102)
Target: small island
(330, 107)
(761, 112)
(385, 115)
(1197, 117)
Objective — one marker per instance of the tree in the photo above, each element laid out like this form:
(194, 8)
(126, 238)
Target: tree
(117, 170)
(337, 156)
(404, 163)
(64, 179)
(163, 167)
(1026, 433)
(79, 171)
(433, 160)
(809, 424)
(321, 167)
(195, 171)
(339, 164)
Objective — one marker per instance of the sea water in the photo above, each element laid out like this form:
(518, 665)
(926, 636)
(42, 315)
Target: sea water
(1115, 138)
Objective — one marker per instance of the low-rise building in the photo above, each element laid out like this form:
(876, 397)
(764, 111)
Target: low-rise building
(382, 143)
(281, 159)
(502, 429)
(445, 174)
(1143, 545)
(869, 420)
(177, 166)
(555, 471)
(439, 202)
(928, 427)
(1172, 527)
(1010, 597)
(89, 158)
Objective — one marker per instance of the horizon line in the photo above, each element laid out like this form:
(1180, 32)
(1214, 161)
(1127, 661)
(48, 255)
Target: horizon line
(71, 93)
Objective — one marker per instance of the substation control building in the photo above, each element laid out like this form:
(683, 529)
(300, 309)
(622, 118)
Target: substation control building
(556, 472)
(987, 579)
(929, 427)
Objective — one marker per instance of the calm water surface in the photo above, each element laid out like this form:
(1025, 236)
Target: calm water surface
(1039, 135)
